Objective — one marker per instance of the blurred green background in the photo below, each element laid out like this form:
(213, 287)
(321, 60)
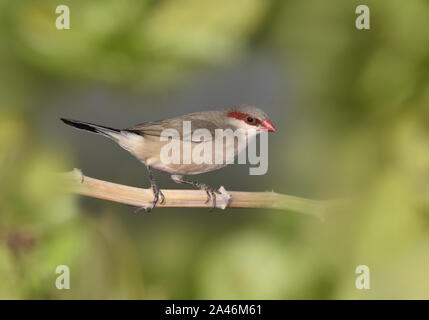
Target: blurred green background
(351, 108)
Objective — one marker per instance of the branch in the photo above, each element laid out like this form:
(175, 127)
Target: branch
(138, 197)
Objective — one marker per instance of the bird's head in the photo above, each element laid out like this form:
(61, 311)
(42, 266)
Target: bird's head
(248, 117)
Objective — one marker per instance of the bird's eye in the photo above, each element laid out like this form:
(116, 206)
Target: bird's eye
(250, 119)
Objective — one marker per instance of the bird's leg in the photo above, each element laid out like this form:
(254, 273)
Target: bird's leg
(211, 192)
(156, 193)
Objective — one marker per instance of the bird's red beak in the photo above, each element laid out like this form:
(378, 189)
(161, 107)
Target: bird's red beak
(268, 126)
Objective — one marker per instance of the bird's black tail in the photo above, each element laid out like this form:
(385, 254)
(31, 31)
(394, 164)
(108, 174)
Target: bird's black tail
(94, 128)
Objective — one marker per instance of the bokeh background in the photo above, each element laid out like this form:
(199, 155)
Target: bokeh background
(351, 108)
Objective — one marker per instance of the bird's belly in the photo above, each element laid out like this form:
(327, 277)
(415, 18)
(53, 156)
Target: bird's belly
(187, 169)
(150, 153)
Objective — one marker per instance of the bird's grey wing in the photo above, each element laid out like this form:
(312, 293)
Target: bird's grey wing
(155, 128)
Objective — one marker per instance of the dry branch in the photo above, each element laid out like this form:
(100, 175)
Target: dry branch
(138, 197)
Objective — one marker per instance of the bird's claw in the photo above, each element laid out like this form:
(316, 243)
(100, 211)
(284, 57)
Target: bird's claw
(162, 197)
(155, 201)
(211, 195)
(144, 208)
(208, 196)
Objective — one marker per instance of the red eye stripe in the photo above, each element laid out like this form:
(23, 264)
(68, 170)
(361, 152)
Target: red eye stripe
(244, 116)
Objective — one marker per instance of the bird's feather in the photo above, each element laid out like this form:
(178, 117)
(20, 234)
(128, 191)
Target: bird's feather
(208, 120)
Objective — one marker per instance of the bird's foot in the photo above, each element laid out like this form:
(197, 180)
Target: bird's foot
(211, 194)
(156, 194)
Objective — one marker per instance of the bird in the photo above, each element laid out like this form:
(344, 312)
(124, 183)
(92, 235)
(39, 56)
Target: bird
(144, 142)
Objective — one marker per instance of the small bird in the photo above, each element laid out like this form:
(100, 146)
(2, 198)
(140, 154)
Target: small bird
(144, 142)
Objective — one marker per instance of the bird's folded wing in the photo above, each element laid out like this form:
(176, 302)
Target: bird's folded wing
(156, 128)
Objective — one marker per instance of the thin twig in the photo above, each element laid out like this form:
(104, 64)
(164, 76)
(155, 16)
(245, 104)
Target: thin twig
(138, 197)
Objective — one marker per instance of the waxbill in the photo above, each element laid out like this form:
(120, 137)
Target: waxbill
(144, 141)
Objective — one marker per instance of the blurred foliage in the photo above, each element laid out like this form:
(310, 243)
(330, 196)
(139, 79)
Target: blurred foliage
(133, 43)
(360, 130)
